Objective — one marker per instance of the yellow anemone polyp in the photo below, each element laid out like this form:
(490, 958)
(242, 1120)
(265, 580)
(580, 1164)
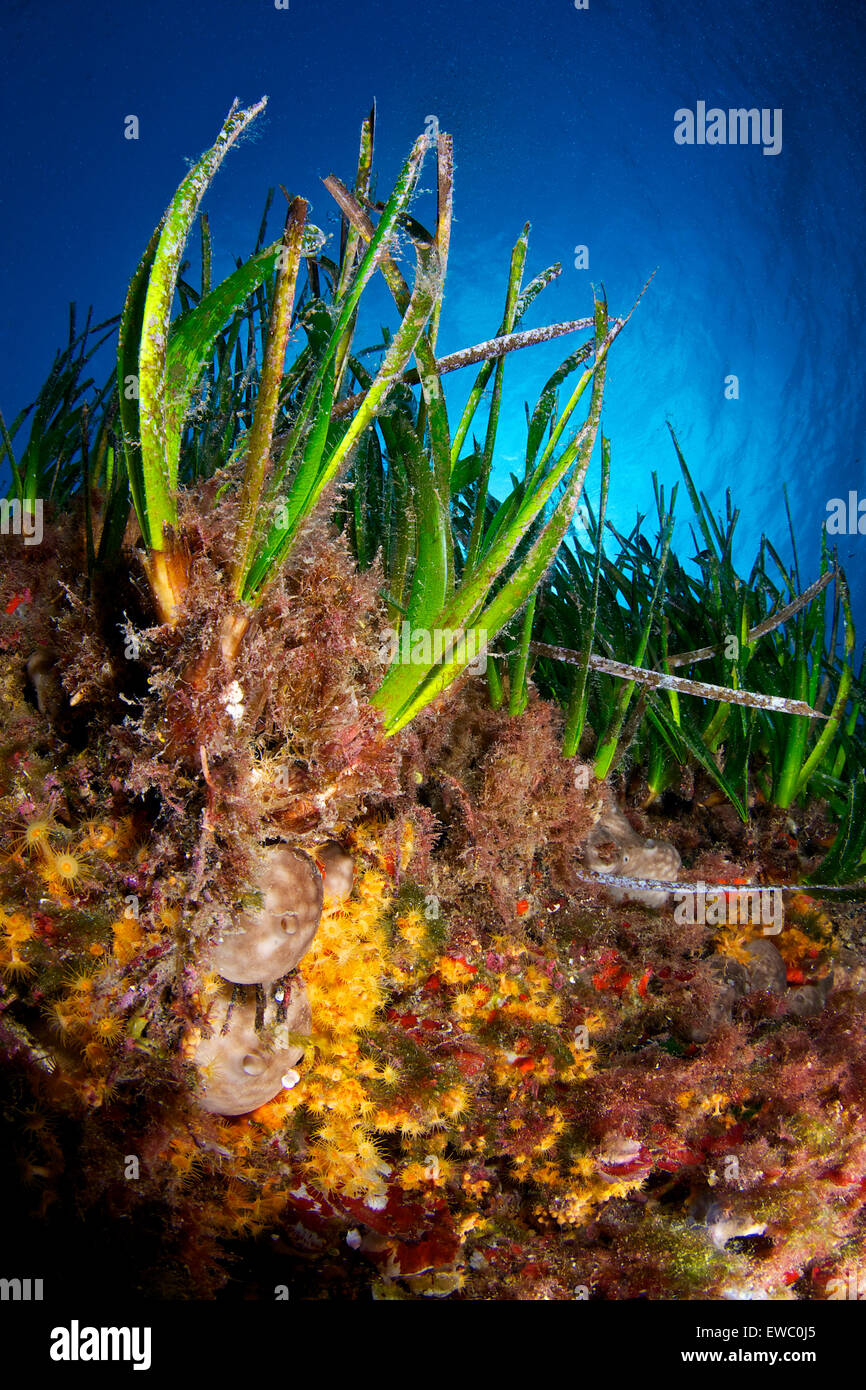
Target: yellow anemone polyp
(35, 835)
(128, 939)
(99, 836)
(109, 1028)
(64, 867)
(344, 972)
(14, 966)
(63, 1016)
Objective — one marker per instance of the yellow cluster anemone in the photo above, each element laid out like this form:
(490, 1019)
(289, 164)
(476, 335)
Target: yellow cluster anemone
(185, 1159)
(63, 870)
(413, 949)
(418, 1116)
(807, 934)
(101, 837)
(734, 940)
(716, 1104)
(16, 930)
(36, 835)
(429, 1172)
(344, 967)
(522, 996)
(576, 1195)
(128, 938)
(82, 1012)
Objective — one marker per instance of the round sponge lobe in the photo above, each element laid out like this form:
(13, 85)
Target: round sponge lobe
(338, 869)
(240, 1068)
(270, 940)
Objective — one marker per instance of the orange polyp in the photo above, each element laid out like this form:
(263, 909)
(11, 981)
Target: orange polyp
(35, 836)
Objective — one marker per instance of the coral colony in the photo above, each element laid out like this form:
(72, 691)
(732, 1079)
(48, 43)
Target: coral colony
(401, 893)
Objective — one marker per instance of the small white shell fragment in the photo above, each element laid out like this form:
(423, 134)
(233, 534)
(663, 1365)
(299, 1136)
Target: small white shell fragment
(233, 699)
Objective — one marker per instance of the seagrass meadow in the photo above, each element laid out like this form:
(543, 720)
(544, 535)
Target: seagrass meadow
(408, 891)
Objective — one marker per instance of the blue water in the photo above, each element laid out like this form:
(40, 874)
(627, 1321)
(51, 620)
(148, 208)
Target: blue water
(562, 117)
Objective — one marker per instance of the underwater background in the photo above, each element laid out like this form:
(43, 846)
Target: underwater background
(563, 117)
(332, 961)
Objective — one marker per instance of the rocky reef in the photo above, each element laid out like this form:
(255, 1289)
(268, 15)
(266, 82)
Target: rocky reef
(285, 1001)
